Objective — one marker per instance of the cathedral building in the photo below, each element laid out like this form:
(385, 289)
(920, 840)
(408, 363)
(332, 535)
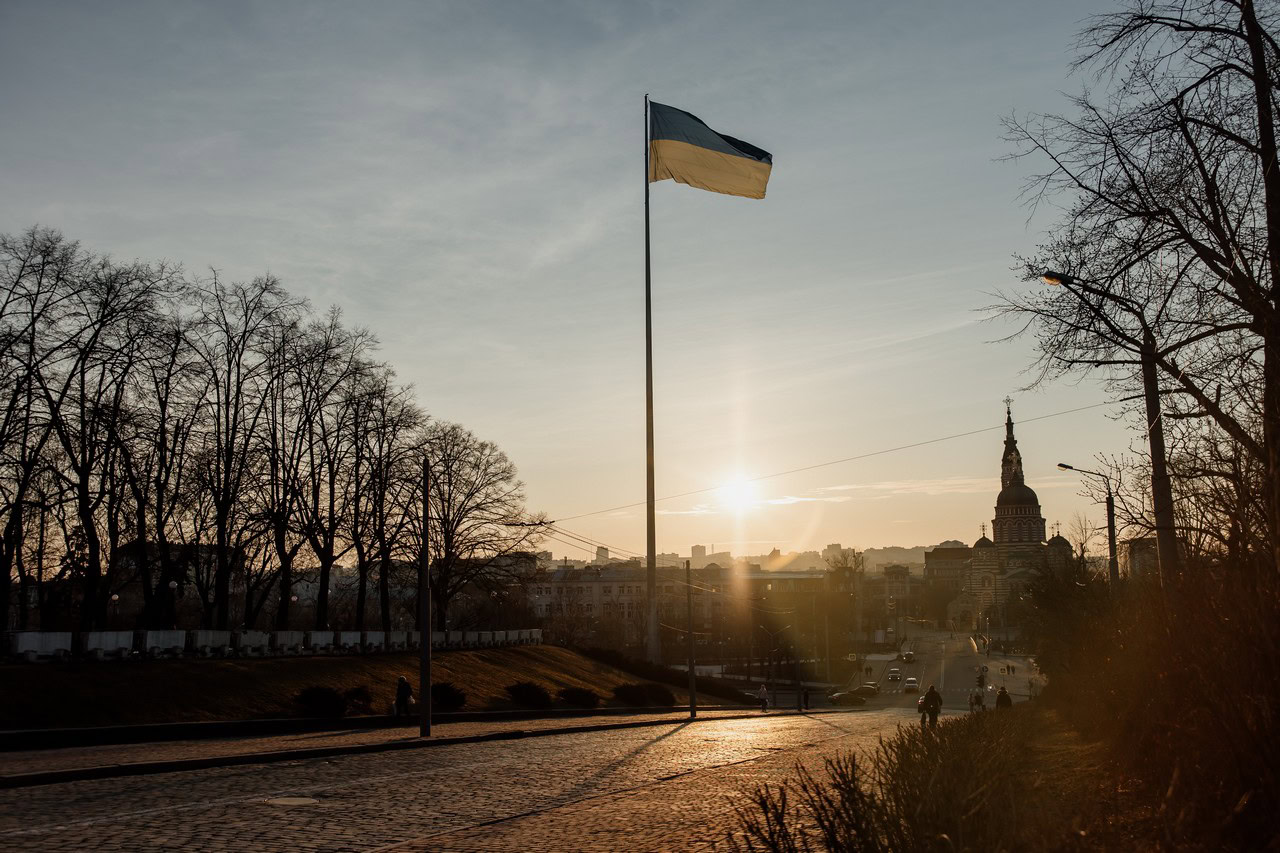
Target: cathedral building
(1001, 568)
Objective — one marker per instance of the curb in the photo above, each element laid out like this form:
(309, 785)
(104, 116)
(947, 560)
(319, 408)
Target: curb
(145, 768)
(24, 740)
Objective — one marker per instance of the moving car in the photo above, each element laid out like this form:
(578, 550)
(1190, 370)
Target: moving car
(895, 674)
(868, 689)
(909, 657)
(911, 686)
(846, 698)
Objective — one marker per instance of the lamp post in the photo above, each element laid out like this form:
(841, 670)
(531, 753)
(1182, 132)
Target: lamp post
(1113, 566)
(689, 637)
(1161, 489)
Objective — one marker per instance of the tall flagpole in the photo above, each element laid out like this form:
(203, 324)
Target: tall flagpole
(651, 570)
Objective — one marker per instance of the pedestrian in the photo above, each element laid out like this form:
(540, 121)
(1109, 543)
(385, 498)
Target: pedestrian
(970, 703)
(982, 701)
(404, 696)
(1003, 700)
(805, 693)
(763, 695)
(932, 705)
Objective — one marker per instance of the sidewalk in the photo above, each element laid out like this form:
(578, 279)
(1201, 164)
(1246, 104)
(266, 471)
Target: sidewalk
(47, 766)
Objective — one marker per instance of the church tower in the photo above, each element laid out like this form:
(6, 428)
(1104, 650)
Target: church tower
(1018, 521)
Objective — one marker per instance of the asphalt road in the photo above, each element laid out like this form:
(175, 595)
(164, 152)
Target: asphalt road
(672, 787)
(951, 664)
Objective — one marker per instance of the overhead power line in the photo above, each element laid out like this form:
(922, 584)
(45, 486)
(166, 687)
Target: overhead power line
(815, 466)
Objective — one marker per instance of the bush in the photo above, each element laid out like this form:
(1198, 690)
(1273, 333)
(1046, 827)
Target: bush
(658, 694)
(526, 694)
(631, 695)
(358, 700)
(980, 782)
(446, 697)
(579, 697)
(320, 701)
(1180, 680)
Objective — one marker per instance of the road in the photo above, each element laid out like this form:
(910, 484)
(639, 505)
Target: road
(662, 788)
(950, 663)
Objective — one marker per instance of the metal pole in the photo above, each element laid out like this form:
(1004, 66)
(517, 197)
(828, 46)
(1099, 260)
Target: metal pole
(424, 609)
(795, 658)
(651, 539)
(826, 633)
(693, 683)
(1113, 565)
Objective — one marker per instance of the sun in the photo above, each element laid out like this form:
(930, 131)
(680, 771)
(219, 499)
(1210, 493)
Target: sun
(739, 494)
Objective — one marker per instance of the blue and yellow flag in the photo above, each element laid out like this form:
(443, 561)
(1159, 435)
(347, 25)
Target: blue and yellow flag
(684, 149)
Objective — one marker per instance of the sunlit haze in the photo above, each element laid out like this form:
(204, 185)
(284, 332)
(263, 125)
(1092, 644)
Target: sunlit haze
(465, 180)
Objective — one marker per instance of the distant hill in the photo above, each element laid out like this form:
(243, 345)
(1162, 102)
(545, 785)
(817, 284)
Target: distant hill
(877, 558)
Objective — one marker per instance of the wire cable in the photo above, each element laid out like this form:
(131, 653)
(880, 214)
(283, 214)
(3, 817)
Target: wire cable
(856, 458)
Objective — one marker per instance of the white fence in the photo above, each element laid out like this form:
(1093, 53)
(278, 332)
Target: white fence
(100, 645)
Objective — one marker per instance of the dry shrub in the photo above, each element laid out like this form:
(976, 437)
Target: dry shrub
(980, 782)
(1182, 680)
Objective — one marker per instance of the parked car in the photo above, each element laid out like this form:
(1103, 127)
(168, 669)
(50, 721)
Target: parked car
(911, 685)
(895, 674)
(846, 698)
(868, 689)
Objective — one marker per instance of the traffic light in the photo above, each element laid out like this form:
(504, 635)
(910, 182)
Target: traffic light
(982, 679)
(978, 680)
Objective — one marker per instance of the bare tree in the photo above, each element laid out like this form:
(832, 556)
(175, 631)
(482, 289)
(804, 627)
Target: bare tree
(233, 338)
(1172, 228)
(478, 517)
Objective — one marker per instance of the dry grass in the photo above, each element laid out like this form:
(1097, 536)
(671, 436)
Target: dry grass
(94, 694)
(1022, 780)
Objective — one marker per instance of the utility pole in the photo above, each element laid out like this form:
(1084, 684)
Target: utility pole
(424, 608)
(795, 658)
(693, 679)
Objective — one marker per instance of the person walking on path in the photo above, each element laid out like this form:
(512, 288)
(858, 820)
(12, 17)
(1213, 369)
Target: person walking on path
(404, 695)
(1003, 700)
(806, 698)
(933, 705)
(763, 695)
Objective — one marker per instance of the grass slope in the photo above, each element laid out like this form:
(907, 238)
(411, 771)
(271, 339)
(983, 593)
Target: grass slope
(111, 693)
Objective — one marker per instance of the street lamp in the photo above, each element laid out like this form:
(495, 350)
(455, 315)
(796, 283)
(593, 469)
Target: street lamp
(1113, 566)
(1161, 490)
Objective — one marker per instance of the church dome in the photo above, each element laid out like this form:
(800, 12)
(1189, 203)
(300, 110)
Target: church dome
(1059, 541)
(984, 542)
(1017, 494)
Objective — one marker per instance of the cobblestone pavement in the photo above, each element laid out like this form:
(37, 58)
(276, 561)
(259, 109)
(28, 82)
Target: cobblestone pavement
(668, 787)
(40, 760)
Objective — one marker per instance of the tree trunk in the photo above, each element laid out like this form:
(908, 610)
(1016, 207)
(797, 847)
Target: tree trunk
(222, 575)
(362, 593)
(1161, 489)
(1262, 87)
(322, 594)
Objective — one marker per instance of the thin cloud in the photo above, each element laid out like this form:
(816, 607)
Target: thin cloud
(939, 486)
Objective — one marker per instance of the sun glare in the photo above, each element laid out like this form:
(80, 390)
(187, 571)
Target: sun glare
(738, 495)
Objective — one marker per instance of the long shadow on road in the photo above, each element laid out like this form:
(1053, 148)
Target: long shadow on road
(590, 782)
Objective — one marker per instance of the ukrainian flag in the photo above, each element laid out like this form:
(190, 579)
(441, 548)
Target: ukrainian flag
(684, 149)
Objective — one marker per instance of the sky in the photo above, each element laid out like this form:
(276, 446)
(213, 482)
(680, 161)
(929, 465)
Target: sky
(465, 181)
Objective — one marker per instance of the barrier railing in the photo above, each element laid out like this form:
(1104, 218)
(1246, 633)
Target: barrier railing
(34, 646)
